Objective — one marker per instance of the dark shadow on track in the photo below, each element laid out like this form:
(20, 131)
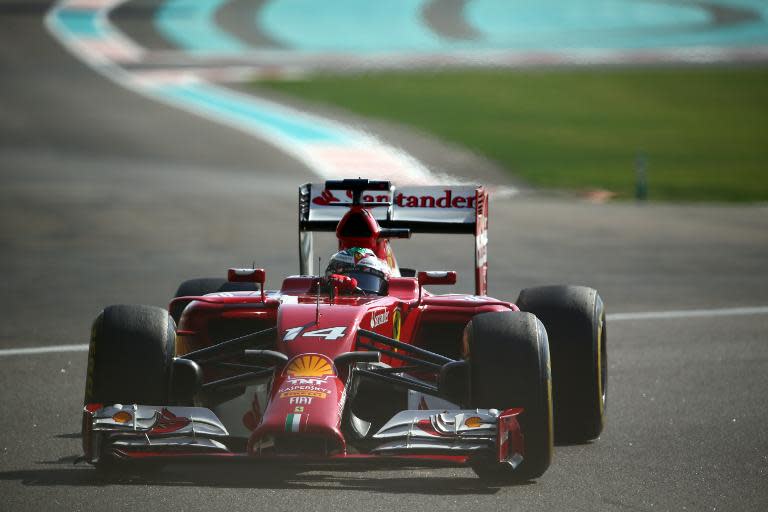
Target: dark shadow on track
(73, 435)
(247, 477)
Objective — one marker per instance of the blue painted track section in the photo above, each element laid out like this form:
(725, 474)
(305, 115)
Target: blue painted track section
(251, 114)
(79, 23)
(190, 25)
(541, 25)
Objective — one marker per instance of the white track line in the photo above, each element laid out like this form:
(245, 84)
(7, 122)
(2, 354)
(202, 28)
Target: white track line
(615, 317)
(43, 350)
(690, 313)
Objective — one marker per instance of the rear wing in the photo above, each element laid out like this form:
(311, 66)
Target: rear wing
(449, 209)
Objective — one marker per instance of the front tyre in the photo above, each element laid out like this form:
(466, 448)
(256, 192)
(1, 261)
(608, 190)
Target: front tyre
(130, 356)
(509, 367)
(574, 317)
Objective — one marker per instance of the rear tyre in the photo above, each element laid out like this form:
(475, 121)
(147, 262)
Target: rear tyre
(509, 367)
(574, 317)
(194, 288)
(203, 286)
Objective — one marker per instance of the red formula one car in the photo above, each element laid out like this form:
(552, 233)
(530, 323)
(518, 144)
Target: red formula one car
(360, 363)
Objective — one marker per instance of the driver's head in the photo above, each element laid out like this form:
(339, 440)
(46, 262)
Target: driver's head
(371, 273)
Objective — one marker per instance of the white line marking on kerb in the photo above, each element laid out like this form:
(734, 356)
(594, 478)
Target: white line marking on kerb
(43, 350)
(690, 313)
(614, 317)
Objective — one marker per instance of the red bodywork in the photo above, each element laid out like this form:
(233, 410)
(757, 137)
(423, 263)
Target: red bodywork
(308, 394)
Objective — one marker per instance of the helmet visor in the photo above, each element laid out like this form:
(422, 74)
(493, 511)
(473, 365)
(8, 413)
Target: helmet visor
(370, 283)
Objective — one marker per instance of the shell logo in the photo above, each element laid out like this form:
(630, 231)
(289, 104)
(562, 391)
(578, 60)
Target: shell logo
(396, 322)
(309, 366)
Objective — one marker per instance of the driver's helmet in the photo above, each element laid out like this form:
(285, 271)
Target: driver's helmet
(371, 273)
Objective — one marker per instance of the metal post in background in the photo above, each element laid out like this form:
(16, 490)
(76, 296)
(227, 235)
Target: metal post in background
(641, 176)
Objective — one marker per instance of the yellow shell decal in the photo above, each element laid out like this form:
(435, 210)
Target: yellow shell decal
(396, 319)
(303, 392)
(309, 366)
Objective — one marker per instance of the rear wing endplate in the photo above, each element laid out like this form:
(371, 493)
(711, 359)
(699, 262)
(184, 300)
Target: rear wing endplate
(449, 209)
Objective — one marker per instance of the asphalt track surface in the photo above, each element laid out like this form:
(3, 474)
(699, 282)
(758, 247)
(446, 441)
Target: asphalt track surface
(106, 197)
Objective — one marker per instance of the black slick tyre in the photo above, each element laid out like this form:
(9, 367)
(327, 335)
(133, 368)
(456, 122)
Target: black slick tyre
(202, 286)
(129, 361)
(574, 317)
(130, 354)
(509, 367)
(194, 288)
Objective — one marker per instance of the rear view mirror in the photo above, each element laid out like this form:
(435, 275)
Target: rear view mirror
(247, 275)
(437, 277)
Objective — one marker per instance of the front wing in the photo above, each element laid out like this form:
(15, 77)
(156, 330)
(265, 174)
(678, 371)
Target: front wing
(415, 437)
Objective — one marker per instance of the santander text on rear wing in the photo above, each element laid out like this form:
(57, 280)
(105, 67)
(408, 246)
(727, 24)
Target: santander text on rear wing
(450, 209)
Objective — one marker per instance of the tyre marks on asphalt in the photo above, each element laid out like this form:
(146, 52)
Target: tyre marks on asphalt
(238, 16)
(446, 19)
(729, 15)
(188, 24)
(134, 19)
(612, 317)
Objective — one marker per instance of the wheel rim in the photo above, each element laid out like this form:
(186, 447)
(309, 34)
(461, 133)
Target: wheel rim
(602, 364)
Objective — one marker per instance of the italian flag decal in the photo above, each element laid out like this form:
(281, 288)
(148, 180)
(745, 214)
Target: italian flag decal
(292, 422)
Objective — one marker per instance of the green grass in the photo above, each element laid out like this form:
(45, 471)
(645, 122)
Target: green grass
(704, 131)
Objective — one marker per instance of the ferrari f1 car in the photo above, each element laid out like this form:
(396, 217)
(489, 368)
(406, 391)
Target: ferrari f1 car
(331, 369)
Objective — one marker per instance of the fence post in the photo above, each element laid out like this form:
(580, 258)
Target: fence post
(641, 176)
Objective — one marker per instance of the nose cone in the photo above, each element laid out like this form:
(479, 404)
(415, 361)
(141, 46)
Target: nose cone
(304, 415)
